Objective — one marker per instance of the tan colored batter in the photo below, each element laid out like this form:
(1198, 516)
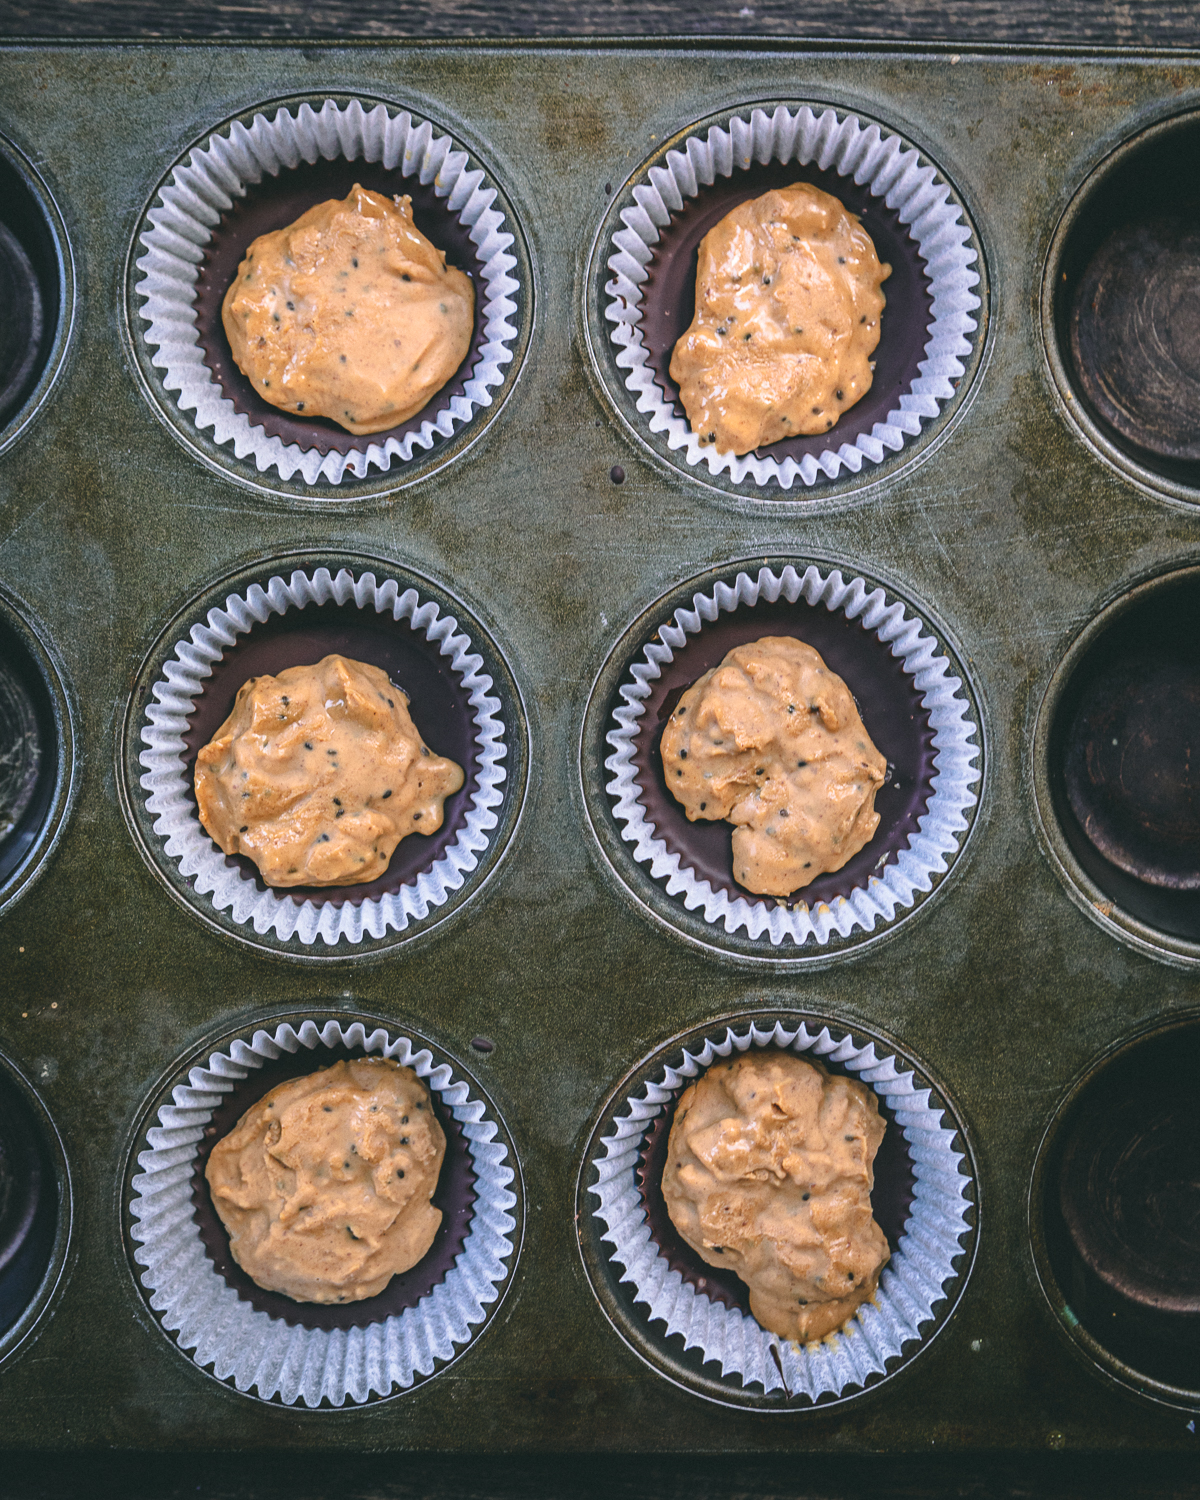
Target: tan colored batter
(769, 1173)
(349, 313)
(772, 742)
(788, 304)
(324, 1184)
(318, 773)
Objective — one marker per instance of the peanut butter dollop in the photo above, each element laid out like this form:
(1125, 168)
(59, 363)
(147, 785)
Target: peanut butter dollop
(325, 1184)
(318, 773)
(788, 303)
(769, 1173)
(349, 313)
(772, 742)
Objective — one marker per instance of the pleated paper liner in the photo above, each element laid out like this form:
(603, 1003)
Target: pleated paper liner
(297, 1354)
(259, 174)
(461, 700)
(692, 1322)
(912, 704)
(929, 328)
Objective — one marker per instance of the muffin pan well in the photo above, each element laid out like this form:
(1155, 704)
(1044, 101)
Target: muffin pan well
(1121, 296)
(35, 1209)
(38, 768)
(1113, 1213)
(1117, 749)
(543, 569)
(37, 291)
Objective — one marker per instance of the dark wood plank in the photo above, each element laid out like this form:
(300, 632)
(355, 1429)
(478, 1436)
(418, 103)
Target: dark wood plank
(1141, 23)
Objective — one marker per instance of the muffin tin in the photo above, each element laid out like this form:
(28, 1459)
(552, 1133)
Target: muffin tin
(1007, 581)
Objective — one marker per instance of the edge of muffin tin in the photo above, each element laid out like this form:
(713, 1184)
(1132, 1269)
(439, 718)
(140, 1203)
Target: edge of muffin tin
(176, 636)
(636, 1100)
(726, 934)
(415, 1337)
(224, 457)
(659, 185)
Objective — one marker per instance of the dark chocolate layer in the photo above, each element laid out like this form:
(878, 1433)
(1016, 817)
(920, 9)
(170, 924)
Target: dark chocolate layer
(276, 202)
(438, 704)
(891, 709)
(891, 1199)
(455, 1196)
(669, 293)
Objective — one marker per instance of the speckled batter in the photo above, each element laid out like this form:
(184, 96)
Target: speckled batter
(318, 773)
(349, 313)
(324, 1184)
(769, 1173)
(788, 304)
(771, 741)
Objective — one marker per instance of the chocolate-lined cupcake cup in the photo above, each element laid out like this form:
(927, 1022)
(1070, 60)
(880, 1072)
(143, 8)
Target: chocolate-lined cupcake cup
(916, 223)
(238, 185)
(913, 709)
(923, 1200)
(308, 1354)
(298, 621)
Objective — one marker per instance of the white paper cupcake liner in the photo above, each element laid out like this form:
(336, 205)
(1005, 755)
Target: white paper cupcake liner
(253, 1351)
(940, 828)
(173, 699)
(913, 1283)
(222, 169)
(890, 170)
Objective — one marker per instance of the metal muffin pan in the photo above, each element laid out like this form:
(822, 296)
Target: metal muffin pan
(554, 531)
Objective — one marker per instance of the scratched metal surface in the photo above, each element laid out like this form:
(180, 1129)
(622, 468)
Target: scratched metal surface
(1011, 527)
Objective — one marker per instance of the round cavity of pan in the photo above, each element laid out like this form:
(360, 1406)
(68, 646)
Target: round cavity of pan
(1113, 1213)
(462, 699)
(38, 769)
(1119, 307)
(680, 873)
(266, 1345)
(258, 173)
(35, 1209)
(642, 278)
(1116, 750)
(690, 1321)
(37, 292)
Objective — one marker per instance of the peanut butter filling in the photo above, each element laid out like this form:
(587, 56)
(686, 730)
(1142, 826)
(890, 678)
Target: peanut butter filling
(788, 304)
(325, 1184)
(769, 1174)
(318, 773)
(349, 313)
(771, 741)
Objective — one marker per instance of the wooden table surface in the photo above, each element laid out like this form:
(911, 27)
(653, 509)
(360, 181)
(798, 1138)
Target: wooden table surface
(1136, 23)
(1148, 24)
